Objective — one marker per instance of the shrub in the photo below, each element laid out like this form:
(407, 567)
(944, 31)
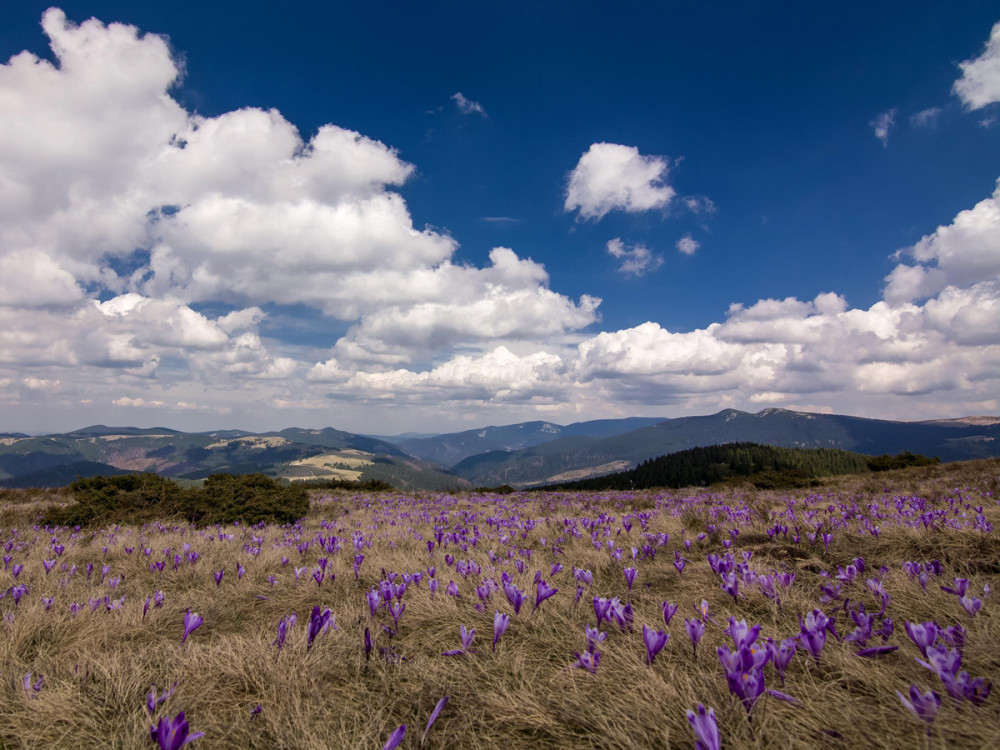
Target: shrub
(140, 498)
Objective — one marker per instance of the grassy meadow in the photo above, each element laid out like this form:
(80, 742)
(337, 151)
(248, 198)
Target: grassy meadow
(99, 654)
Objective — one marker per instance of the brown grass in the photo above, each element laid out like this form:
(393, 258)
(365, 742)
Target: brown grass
(99, 666)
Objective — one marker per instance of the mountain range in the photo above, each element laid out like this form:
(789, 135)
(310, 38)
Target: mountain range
(521, 455)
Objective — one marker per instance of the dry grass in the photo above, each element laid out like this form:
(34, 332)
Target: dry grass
(98, 666)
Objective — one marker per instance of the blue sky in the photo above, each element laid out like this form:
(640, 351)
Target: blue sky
(759, 126)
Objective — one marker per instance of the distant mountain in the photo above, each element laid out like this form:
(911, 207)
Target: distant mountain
(449, 449)
(569, 459)
(56, 460)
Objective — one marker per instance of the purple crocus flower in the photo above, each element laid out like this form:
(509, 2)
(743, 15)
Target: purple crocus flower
(630, 574)
(781, 655)
(434, 714)
(601, 607)
(594, 637)
(924, 635)
(152, 700)
(740, 633)
(452, 589)
(960, 589)
(695, 630)
(256, 710)
(500, 623)
(319, 621)
(173, 734)
(465, 637)
(218, 576)
(971, 604)
(192, 621)
(32, 689)
(395, 738)
(923, 705)
(542, 592)
(706, 731)
(367, 644)
(283, 624)
(669, 610)
(588, 660)
(679, 562)
(515, 596)
(655, 640)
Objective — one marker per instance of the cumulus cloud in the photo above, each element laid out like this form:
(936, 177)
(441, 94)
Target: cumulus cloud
(611, 177)
(925, 118)
(961, 253)
(687, 245)
(979, 84)
(883, 125)
(467, 106)
(142, 247)
(636, 260)
(137, 403)
(101, 169)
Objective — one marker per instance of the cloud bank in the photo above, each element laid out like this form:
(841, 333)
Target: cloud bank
(141, 246)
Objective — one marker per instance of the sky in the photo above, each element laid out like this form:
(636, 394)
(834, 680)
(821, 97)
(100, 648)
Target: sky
(394, 217)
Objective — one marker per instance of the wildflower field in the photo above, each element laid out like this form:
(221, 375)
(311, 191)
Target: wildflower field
(857, 614)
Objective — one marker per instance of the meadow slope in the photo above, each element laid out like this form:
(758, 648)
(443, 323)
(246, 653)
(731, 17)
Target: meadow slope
(86, 619)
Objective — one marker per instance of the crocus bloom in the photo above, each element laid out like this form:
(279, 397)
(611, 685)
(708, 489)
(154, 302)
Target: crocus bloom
(218, 576)
(740, 633)
(256, 710)
(695, 630)
(514, 595)
(601, 607)
(971, 604)
(500, 623)
(706, 731)
(192, 621)
(922, 705)
(152, 700)
(173, 734)
(669, 610)
(32, 688)
(395, 738)
(594, 637)
(434, 714)
(465, 636)
(587, 660)
(542, 592)
(630, 574)
(924, 635)
(655, 640)
(319, 621)
(368, 644)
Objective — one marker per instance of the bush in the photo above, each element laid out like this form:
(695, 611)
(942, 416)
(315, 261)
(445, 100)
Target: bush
(141, 498)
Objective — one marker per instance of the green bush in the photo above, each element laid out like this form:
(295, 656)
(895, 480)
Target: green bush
(141, 498)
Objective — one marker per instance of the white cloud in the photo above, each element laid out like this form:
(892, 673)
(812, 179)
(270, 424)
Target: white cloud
(961, 253)
(637, 260)
(699, 204)
(136, 403)
(240, 212)
(925, 118)
(883, 125)
(979, 84)
(612, 177)
(688, 245)
(467, 106)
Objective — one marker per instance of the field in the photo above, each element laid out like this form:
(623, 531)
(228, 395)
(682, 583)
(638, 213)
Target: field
(97, 619)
